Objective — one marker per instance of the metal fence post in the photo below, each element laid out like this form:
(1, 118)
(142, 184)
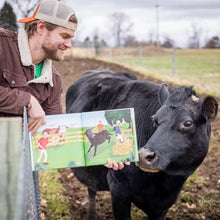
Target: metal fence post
(140, 52)
(174, 62)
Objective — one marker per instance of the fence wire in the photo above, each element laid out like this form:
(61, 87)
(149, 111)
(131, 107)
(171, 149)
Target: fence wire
(31, 193)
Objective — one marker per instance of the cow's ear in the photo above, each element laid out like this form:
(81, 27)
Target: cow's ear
(210, 108)
(163, 93)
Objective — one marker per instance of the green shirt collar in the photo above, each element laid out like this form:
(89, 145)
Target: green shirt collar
(38, 70)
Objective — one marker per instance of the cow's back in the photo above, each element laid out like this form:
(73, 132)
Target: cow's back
(98, 90)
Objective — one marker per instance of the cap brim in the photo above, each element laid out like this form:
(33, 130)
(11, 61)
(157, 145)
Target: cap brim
(25, 20)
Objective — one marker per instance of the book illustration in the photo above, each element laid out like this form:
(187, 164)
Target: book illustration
(123, 144)
(84, 139)
(97, 139)
(118, 141)
(42, 145)
(65, 143)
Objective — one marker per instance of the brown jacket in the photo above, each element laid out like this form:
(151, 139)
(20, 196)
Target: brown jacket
(17, 82)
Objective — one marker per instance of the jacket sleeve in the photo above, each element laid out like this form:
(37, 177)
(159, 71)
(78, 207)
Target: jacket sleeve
(12, 101)
(12, 98)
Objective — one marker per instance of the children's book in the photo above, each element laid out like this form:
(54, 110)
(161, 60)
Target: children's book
(84, 139)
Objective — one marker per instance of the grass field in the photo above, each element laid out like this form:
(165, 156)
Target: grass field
(200, 68)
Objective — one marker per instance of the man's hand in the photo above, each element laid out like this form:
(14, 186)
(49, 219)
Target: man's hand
(36, 114)
(116, 166)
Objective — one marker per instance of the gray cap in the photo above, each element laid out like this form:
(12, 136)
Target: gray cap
(53, 11)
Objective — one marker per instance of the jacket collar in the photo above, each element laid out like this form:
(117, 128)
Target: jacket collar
(26, 59)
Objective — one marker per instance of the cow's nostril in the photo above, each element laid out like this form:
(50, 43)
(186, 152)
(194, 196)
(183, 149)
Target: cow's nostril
(150, 157)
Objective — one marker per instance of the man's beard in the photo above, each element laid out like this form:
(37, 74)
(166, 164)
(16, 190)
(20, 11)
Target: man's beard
(52, 53)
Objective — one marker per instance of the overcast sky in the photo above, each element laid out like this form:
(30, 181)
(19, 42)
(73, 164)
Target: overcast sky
(175, 17)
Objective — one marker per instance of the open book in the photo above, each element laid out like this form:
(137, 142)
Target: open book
(84, 139)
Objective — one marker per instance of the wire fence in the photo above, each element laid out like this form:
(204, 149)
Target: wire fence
(19, 186)
(122, 53)
(32, 208)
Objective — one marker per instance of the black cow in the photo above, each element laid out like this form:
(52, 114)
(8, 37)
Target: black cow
(173, 132)
(97, 138)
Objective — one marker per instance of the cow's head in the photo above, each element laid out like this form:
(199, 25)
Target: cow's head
(89, 133)
(181, 139)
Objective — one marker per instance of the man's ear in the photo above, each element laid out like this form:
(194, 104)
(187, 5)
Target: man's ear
(210, 108)
(163, 93)
(41, 27)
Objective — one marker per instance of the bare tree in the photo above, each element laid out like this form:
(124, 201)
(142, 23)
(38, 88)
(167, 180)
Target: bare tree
(120, 26)
(194, 41)
(24, 7)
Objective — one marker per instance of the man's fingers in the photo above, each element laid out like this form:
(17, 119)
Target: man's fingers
(109, 164)
(114, 165)
(120, 165)
(32, 122)
(38, 124)
(35, 123)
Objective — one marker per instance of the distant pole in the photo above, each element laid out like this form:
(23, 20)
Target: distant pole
(174, 62)
(110, 53)
(121, 52)
(140, 50)
(157, 25)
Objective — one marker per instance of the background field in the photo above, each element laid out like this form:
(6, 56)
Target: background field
(200, 68)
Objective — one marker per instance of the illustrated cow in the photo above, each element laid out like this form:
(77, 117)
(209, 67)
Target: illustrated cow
(173, 132)
(97, 138)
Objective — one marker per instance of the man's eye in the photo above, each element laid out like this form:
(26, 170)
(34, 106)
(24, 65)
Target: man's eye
(65, 36)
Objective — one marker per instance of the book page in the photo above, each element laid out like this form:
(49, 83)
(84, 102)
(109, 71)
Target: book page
(58, 143)
(109, 134)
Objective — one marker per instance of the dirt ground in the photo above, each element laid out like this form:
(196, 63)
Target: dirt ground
(200, 197)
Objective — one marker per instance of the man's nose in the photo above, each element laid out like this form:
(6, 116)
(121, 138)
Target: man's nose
(67, 43)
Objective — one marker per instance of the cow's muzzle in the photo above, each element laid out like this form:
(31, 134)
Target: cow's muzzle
(147, 160)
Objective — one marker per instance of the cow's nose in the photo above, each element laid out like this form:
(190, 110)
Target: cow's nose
(148, 160)
(149, 155)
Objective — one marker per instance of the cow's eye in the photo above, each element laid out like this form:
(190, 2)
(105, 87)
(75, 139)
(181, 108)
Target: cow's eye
(188, 123)
(186, 126)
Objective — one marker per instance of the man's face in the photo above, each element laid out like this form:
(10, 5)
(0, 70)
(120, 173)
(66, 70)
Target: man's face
(56, 42)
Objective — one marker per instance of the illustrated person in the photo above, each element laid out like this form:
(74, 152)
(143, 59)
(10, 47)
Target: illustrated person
(27, 77)
(118, 132)
(42, 145)
(100, 126)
